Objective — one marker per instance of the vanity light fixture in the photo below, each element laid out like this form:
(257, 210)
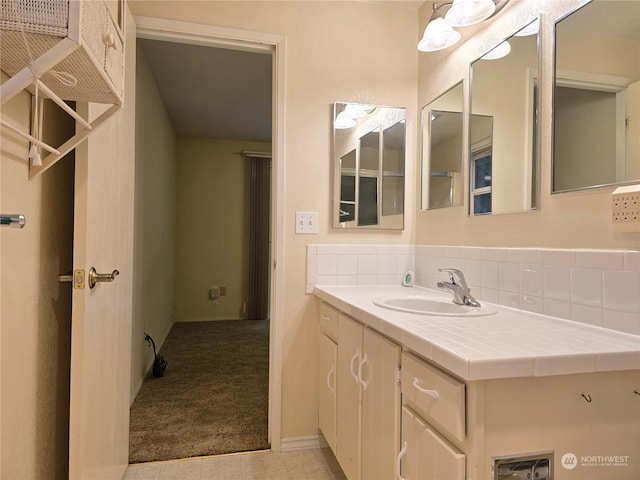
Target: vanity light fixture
(440, 34)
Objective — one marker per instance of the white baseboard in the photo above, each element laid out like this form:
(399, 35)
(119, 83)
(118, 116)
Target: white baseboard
(208, 319)
(302, 443)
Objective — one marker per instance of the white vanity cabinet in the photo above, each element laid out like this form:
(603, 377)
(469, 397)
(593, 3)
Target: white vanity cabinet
(433, 410)
(348, 401)
(577, 413)
(367, 402)
(359, 405)
(327, 373)
(425, 455)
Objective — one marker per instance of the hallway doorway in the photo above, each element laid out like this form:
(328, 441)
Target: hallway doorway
(155, 29)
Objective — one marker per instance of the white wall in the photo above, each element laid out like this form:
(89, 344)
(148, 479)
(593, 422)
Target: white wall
(155, 219)
(212, 227)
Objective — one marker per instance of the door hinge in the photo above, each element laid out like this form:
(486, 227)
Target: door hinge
(398, 374)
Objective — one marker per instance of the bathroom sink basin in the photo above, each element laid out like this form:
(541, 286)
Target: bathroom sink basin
(430, 306)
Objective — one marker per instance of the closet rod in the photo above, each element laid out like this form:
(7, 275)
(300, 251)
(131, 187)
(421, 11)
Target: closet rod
(31, 138)
(248, 153)
(13, 220)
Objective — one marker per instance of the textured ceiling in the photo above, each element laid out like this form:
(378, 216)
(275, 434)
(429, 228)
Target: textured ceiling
(213, 92)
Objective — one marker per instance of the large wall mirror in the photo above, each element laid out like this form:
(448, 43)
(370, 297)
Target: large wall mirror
(369, 166)
(503, 169)
(596, 104)
(442, 150)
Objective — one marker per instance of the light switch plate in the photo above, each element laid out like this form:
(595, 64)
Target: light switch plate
(307, 222)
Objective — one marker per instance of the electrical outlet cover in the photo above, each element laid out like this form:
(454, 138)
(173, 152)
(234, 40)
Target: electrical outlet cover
(625, 208)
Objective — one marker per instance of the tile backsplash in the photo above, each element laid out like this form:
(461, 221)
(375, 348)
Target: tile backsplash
(598, 287)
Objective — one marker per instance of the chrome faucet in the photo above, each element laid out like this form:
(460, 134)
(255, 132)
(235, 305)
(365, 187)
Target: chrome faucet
(458, 287)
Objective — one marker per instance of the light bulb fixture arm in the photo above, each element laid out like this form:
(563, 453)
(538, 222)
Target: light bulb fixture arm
(436, 10)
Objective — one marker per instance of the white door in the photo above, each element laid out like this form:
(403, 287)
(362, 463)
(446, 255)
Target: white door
(348, 426)
(380, 406)
(102, 316)
(426, 455)
(327, 390)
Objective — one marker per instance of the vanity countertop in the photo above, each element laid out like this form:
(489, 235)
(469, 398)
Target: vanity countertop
(509, 343)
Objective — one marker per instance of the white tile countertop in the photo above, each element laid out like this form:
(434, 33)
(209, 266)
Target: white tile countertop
(509, 343)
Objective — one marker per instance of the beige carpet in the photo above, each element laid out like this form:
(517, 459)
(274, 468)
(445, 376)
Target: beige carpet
(213, 397)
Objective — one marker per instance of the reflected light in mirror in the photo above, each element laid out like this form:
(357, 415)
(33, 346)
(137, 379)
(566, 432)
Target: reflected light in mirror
(500, 51)
(344, 120)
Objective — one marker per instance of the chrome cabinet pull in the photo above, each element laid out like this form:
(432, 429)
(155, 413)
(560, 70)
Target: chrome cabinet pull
(95, 277)
(354, 374)
(426, 391)
(402, 453)
(332, 389)
(360, 379)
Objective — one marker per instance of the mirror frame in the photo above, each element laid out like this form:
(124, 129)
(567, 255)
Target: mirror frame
(456, 195)
(533, 145)
(394, 116)
(607, 82)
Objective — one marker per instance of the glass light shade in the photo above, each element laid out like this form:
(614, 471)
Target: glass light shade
(464, 13)
(437, 36)
(343, 120)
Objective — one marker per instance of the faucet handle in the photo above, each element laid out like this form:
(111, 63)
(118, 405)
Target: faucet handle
(456, 276)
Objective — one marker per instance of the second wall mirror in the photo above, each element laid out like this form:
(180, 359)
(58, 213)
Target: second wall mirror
(442, 184)
(503, 169)
(368, 166)
(596, 108)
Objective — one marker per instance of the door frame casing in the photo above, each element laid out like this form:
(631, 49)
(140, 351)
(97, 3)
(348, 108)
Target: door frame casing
(208, 35)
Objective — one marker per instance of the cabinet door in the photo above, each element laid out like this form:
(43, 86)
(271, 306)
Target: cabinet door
(348, 435)
(427, 455)
(327, 390)
(380, 406)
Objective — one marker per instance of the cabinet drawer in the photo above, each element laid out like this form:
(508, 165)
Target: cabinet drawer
(329, 320)
(435, 395)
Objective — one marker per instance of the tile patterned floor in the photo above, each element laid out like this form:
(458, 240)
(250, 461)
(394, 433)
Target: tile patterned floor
(316, 464)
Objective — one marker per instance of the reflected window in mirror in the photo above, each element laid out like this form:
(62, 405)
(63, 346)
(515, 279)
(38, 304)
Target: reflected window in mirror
(596, 97)
(442, 150)
(503, 133)
(481, 166)
(369, 166)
